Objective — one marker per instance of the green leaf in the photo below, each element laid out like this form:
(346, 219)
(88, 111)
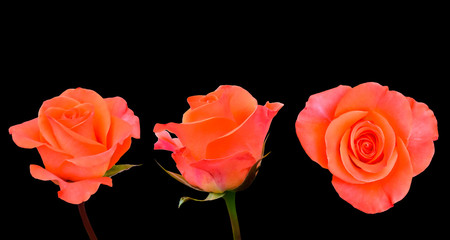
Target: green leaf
(179, 178)
(210, 197)
(118, 168)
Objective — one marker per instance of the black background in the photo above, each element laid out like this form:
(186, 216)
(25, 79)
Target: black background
(156, 61)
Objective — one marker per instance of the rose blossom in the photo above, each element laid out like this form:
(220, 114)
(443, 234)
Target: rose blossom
(220, 138)
(80, 136)
(373, 141)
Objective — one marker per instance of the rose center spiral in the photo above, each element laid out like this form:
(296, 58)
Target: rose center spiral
(367, 141)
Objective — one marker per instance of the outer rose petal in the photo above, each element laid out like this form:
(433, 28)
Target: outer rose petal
(86, 167)
(380, 195)
(256, 126)
(197, 135)
(71, 192)
(119, 131)
(118, 107)
(52, 158)
(313, 121)
(195, 176)
(121, 149)
(166, 142)
(424, 132)
(228, 173)
(372, 96)
(26, 135)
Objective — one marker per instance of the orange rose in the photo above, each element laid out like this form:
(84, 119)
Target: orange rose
(220, 138)
(79, 136)
(373, 141)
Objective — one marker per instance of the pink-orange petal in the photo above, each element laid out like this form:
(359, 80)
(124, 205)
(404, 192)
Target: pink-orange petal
(71, 192)
(121, 149)
(52, 158)
(228, 172)
(238, 140)
(101, 116)
(72, 142)
(312, 122)
(424, 132)
(372, 96)
(81, 191)
(396, 109)
(380, 195)
(226, 101)
(118, 132)
(78, 119)
(363, 97)
(333, 136)
(242, 103)
(217, 107)
(118, 107)
(44, 124)
(166, 142)
(195, 176)
(197, 135)
(26, 135)
(85, 167)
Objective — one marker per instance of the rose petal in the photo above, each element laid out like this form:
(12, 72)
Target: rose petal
(101, 116)
(26, 135)
(333, 136)
(119, 131)
(312, 122)
(118, 107)
(216, 107)
(242, 103)
(227, 101)
(81, 191)
(121, 149)
(71, 192)
(166, 142)
(83, 125)
(424, 132)
(372, 96)
(195, 176)
(380, 195)
(369, 172)
(196, 135)
(256, 126)
(351, 163)
(72, 142)
(44, 125)
(52, 157)
(228, 172)
(85, 167)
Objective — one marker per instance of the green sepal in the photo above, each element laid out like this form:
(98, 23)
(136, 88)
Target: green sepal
(179, 178)
(116, 169)
(210, 197)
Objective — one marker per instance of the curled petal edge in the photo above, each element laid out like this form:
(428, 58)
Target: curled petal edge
(71, 192)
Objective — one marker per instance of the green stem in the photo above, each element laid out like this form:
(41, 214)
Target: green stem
(86, 223)
(230, 200)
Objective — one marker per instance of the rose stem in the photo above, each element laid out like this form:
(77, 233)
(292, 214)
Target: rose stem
(230, 201)
(86, 223)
